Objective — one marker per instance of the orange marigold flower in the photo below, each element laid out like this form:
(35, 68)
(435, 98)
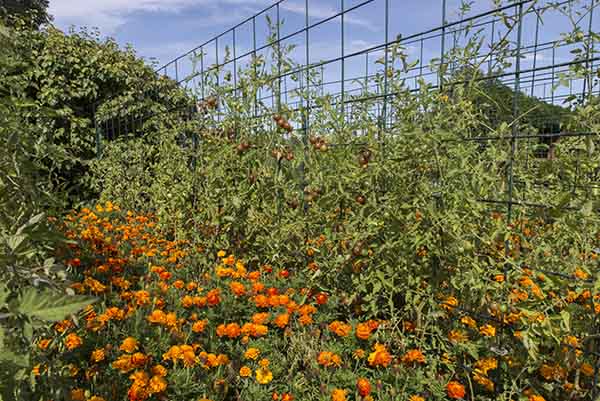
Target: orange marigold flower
(305, 320)
(587, 369)
(363, 386)
(159, 370)
(98, 355)
(213, 297)
(199, 326)
(261, 301)
(187, 301)
(536, 398)
(158, 317)
(44, 343)
(282, 320)
(414, 355)
(260, 318)
(137, 393)
(416, 398)
(455, 390)
(129, 345)
(264, 362)
(123, 364)
(363, 331)
(237, 288)
(142, 297)
(329, 359)
(340, 328)
(252, 353)
(157, 384)
(245, 371)
(380, 356)
(468, 321)
(139, 378)
(338, 395)
(139, 359)
(73, 341)
(77, 394)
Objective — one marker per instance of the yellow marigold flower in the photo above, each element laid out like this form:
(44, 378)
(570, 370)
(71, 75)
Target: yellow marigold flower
(416, 398)
(484, 365)
(487, 330)
(252, 353)
(129, 345)
(96, 398)
(245, 371)
(98, 355)
(483, 381)
(338, 395)
(264, 375)
(449, 303)
(73, 341)
(264, 362)
(221, 254)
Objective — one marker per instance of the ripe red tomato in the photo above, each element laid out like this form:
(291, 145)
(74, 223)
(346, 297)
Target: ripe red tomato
(321, 298)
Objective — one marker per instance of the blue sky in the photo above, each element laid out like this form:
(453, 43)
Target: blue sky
(164, 29)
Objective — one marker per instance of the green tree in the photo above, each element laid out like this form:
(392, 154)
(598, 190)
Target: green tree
(34, 11)
(75, 76)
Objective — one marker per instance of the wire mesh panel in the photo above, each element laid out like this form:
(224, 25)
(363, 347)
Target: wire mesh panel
(481, 97)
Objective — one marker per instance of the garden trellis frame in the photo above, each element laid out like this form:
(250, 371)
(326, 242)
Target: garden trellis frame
(538, 65)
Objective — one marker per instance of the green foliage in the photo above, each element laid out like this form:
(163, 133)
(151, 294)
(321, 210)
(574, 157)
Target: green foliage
(35, 12)
(30, 294)
(73, 75)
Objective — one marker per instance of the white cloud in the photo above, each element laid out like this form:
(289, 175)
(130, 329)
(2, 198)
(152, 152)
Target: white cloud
(108, 15)
(321, 12)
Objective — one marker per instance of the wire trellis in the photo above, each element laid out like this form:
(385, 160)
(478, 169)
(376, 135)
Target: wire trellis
(542, 62)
